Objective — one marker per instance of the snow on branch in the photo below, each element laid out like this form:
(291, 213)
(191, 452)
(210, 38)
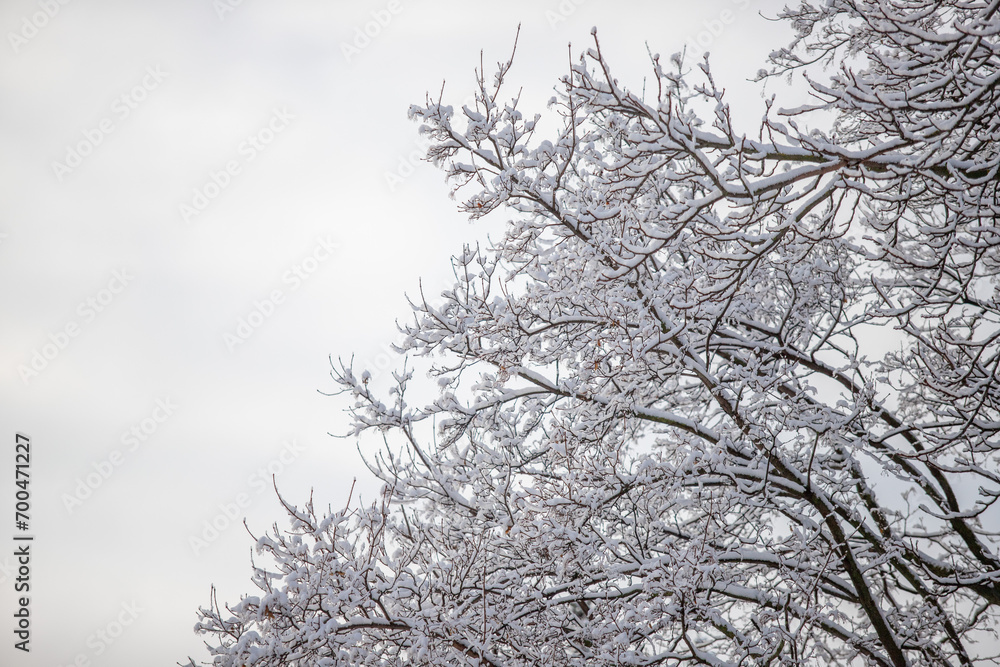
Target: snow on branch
(668, 430)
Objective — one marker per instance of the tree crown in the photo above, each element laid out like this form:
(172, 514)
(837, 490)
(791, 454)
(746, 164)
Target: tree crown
(668, 430)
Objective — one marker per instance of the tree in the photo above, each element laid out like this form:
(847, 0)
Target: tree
(712, 399)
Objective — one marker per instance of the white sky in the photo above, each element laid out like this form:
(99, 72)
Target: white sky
(169, 290)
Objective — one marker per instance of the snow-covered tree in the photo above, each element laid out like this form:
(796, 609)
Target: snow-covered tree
(712, 399)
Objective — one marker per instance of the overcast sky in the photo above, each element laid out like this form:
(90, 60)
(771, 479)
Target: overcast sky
(202, 202)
